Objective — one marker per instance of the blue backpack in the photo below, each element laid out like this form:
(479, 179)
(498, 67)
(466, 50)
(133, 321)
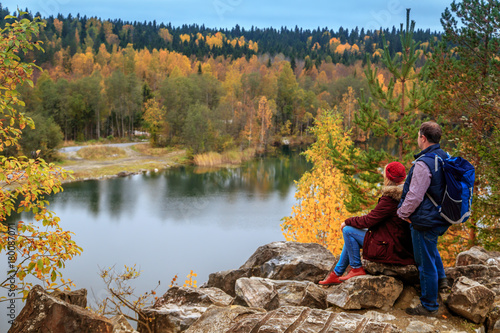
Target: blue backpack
(459, 177)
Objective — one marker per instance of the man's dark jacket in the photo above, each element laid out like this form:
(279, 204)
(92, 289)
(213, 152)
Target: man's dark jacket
(426, 216)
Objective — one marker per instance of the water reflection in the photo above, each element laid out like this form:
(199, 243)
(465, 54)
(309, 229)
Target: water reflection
(175, 221)
(180, 192)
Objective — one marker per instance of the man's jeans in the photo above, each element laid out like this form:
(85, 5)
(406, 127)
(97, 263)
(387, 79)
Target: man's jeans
(429, 263)
(353, 242)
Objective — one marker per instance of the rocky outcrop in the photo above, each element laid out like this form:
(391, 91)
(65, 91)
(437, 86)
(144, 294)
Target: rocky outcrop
(285, 319)
(279, 261)
(271, 294)
(477, 256)
(478, 265)
(493, 320)
(407, 274)
(470, 300)
(276, 290)
(76, 297)
(365, 292)
(180, 307)
(45, 313)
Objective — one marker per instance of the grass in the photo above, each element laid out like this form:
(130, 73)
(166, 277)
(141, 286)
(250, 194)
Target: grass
(228, 157)
(112, 170)
(146, 149)
(100, 153)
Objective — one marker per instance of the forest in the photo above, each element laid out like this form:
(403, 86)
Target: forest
(210, 90)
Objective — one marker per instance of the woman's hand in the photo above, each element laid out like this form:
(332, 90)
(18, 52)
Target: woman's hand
(342, 226)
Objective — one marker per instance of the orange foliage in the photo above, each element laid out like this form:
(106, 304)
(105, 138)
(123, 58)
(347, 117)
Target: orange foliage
(185, 38)
(58, 25)
(165, 35)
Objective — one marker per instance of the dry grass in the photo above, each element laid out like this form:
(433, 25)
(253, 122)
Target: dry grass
(146, 149)
(99, 153)
(229, 157)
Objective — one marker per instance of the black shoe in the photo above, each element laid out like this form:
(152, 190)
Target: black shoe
(443, 284)
(420, 311)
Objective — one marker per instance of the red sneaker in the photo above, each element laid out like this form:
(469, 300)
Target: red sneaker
(352, 273)
(332, 278)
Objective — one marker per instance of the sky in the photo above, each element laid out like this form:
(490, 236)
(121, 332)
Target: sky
(333, 14)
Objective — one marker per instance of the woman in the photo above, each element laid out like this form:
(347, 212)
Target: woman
(388, 238)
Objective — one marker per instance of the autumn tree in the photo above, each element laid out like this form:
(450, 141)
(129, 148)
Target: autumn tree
(321, 192)
(264, 115)
(154, 119)
(466, 68)
(41, 248)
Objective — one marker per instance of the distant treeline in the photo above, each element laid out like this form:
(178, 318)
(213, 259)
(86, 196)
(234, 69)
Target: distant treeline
(77, 33)
(202, 88)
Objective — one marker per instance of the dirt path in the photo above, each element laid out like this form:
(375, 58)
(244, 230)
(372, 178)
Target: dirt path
(134, 162)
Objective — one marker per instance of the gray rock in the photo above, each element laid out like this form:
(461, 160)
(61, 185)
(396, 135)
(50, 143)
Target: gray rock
(226, 280)
(77, 297)
(279, 261)
(493, 320)
(378, 316)
(406, 273)
(476, 256)
(45, 313)
(470, 300)
(256, 293)
(487, 275)
(419, 327)
(365, 292)
(271, 294)
(285, 319)
(180, 307)
(121, 325)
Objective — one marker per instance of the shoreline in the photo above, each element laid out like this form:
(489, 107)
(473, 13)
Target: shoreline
(133, 163)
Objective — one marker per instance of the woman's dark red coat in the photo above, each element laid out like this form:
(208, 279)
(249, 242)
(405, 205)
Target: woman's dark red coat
(388, 239)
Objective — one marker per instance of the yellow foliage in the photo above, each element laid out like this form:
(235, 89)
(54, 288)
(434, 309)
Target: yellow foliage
(316, 46)
(165, 35)
(190, 282)
(343, 47)
(185, 38)
(320, 192)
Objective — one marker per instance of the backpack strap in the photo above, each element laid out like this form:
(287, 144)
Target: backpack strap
(437, 159)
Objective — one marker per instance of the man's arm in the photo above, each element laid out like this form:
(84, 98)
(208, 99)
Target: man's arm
(420, 182)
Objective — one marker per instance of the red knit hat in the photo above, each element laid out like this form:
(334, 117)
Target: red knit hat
(395, 172)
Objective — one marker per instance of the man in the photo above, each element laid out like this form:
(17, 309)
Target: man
(425, 179)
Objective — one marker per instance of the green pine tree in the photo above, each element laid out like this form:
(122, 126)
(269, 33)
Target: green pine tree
(466, 69)
(397, 110)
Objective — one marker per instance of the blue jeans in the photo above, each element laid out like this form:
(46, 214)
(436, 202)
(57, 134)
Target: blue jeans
(353, 243)
(429, 263)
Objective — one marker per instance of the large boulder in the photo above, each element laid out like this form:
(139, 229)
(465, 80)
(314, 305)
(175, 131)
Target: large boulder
(492, 323)
(365, 292)
(470, 300)
(285, 319)
(180, 307)
(271, 294)
(487, 275)
(279, 261)
(45, 313)
(76, 297)
(477, 256)
(406, 273)
(256, 293)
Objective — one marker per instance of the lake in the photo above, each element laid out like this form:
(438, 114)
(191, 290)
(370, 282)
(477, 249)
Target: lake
(174, 221)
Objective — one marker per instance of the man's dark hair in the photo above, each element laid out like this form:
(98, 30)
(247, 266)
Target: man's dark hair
(432, 131)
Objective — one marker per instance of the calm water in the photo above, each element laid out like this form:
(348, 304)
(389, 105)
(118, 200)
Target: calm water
(171, 222)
